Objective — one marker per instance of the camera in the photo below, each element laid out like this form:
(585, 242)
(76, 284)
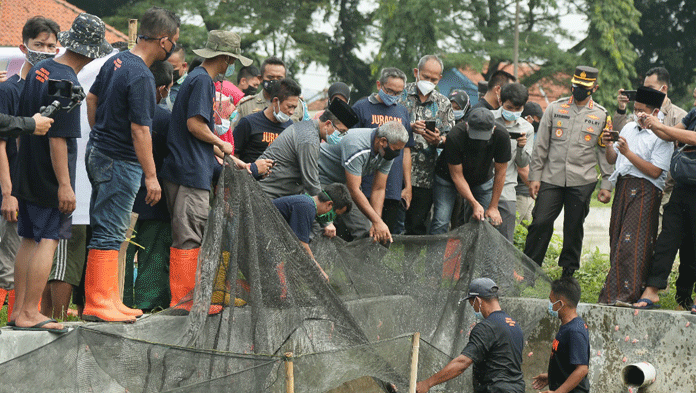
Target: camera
(62, 89)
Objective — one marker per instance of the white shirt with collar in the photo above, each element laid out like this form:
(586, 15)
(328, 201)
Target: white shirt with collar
(646, 145)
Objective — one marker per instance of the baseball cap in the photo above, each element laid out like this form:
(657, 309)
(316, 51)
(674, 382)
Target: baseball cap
(531, 108)
(482, 287)
(341, 89)
(481, 124)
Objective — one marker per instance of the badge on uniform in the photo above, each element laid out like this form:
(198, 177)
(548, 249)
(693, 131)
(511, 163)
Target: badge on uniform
(588, 137)
(590, 129)
(563, 111)
(559, 132)
(593, 117)
(559, 124)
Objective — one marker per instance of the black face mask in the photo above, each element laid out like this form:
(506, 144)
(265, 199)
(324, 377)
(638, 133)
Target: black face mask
(168, 54)
(250, 91)
(267, 85)
(390, 154)
(535, 124)
(176, 75)
(580, 93)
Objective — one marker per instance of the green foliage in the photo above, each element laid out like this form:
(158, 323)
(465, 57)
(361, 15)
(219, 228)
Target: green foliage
(669, 27)
(607, 46)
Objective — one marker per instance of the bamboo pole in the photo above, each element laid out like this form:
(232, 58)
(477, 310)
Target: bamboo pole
(289, 374)
(122, 254)
(132, 32)
(415, 346)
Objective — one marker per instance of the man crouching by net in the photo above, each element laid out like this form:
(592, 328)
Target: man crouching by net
(300, 211)
(494, 348)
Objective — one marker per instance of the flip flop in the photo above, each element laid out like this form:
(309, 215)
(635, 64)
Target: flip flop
(693, 309)
(39, 327)
(10, 324)
(649, 304)
(620, 303)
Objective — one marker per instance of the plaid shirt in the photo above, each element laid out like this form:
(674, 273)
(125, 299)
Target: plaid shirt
(424, 155)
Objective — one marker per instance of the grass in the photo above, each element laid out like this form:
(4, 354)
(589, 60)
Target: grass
(594, 267)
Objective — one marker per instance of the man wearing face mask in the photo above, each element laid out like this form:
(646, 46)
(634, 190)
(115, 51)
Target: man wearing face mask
(658, 78)
(570, 351)
(494, 347)
(272, 71)
(460, 105)
(363, 152)
(153, 230)
(373, 111)
(300, 212)
(562, 174)
(425, 103)
(532, 113)
(295, 152)
(39, 37)
(178, 61)
(473, 165)
(514, 96)
(248, 80)
(642, 161)
(491, 100)
(187, 171)
(120, 108)
(256, 132)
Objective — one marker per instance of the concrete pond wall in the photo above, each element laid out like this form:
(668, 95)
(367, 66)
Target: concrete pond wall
(618, 337)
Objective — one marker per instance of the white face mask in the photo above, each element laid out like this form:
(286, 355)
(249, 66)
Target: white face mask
(280, 116)
(425, 87)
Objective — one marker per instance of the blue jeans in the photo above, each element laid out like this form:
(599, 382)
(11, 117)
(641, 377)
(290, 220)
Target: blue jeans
(114, 185)
(444, 194)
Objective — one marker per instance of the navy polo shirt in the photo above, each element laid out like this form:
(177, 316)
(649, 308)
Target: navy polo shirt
(372, 114)
(33, 177)
(125, 88)
(299, 211)
(10, 91)
(160, 127)
(191, 161)
(254, 134)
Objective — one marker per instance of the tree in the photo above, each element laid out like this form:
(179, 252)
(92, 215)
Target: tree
(607, 46)
(669, 27)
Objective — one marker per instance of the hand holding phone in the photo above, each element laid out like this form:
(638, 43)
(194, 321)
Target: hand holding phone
(430, 125)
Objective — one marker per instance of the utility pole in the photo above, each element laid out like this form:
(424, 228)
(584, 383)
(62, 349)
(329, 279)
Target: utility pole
(517, 37)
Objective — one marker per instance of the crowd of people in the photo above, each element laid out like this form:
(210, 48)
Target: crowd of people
(404, 160)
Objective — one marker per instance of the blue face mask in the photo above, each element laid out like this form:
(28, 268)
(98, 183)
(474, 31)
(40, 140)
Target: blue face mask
(387, 99)
(551, 311)
(510, 116)
(229, 71)
(335, 137)
(478, 314)
(458, 114)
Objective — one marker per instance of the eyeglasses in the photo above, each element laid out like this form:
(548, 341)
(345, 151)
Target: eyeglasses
(146, 38)
(391, 92)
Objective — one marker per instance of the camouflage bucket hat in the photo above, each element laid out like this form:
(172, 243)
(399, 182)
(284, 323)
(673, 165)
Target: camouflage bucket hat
(223, 43)
(86, 37)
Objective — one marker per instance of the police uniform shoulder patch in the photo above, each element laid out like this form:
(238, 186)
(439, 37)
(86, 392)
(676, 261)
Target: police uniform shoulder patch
(244, 99)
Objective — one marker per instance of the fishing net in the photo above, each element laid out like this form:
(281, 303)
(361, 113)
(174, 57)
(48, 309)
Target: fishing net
(352, 333)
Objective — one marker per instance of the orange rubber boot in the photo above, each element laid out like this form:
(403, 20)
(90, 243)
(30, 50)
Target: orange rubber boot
(3, 293)
(182, 279)
(101, 282)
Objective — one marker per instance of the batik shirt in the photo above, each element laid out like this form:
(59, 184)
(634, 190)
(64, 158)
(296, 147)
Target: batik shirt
(423, 155)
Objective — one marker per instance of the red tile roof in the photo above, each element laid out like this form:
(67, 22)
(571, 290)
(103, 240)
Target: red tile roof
(14, 13)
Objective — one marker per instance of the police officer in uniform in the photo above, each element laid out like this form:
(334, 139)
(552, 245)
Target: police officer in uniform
(272, 71)
(562, 172)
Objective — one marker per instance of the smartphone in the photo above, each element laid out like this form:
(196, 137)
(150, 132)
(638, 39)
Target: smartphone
(631, 94)
(430, 125)
(614, 136)
(60, 88)
(515, 135)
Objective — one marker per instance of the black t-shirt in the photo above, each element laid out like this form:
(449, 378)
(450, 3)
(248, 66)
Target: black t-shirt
(33, 178)
(475, 156)
(570, 349)
(495, 346)
(254, 133)
(10, 91)
(191, 161)
(299, 211)
(125, 89)
(160, 126)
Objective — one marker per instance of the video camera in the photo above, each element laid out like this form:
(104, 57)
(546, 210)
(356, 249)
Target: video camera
(62, 89)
